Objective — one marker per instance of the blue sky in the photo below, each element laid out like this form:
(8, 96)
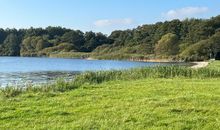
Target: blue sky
(100, 15)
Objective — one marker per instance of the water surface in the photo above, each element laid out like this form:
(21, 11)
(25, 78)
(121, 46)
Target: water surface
(20, 70)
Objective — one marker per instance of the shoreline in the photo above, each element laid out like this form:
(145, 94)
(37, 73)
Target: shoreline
(198, 65)
(193, 65)
(154, 60)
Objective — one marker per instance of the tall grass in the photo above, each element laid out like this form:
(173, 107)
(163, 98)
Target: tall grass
(11, 91)
(103, 76)
(59, 86)
(149, 72)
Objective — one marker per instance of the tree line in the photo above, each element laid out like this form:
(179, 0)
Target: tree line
(40, 42)
(190, 39)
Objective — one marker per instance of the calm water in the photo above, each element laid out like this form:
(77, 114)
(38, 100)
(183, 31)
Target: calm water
(20, 70)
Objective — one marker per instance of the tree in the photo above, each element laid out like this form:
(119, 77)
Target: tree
(197, 52)
(56, 31)
(75, 38)
(2, 36)
(41, 44)
(167, 38)
(203, 49)
(214, 41)
(167, 45)
(11, 45)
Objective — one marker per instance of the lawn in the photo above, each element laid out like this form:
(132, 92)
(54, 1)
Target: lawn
(140, 104)
(120, 103)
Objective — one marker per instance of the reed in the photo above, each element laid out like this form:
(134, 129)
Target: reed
(104, 76)
(149, 72)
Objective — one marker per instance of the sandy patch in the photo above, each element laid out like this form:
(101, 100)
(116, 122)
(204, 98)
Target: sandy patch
(200, 64)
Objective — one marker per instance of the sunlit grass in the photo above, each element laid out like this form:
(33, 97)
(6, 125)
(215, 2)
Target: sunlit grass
(158, 103)
(214, 65)
(114, 75)
(167, 97)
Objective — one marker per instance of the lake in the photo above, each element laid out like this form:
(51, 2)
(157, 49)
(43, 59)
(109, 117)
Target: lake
(24, 70)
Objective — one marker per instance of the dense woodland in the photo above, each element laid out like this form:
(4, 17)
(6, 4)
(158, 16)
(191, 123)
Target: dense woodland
(190, 40)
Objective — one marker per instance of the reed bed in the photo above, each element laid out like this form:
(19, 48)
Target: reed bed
(104, 76)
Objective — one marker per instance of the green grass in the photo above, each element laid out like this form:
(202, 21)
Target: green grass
(141, 104)
(169, 97)
(214, 65)
(104, 76)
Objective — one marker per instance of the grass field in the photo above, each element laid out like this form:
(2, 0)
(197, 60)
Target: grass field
(214, 65)
(141, 103)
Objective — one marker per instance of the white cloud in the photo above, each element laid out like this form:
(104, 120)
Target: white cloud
(186, 12)
(113, 22)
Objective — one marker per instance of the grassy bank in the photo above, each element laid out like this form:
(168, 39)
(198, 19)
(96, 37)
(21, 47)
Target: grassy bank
(150, 98)
(214, 65)
(115, 75)
(141, 104)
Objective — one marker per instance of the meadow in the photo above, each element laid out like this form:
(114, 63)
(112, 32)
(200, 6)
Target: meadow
(169, 97)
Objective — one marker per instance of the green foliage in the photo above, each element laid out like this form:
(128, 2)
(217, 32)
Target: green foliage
(197, 52)
(167, 39)
(10, 91)
(214, 65)
(59, 86)
(62, 47)
(166, 97)
(75, 38)
(203, 50)
(183, 47)
(93, 40)
(167, 45)
(41, 42)
(2, 35)
(153, 72)
(31, 46)
(105, 76)
(10, 46)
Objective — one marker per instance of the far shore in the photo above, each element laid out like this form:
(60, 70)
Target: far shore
(87, 56)
(194, 65)
(154, 60)
(140, 60)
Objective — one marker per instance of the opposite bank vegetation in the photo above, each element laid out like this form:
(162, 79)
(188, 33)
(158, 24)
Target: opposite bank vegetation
(188, 40)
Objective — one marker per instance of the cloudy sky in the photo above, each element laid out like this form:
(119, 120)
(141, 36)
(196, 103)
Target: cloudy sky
(101, 15)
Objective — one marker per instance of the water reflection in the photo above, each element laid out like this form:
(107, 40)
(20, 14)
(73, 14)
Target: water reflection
(22, 79)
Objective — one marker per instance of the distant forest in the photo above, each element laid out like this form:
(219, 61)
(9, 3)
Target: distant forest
(189, 40)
